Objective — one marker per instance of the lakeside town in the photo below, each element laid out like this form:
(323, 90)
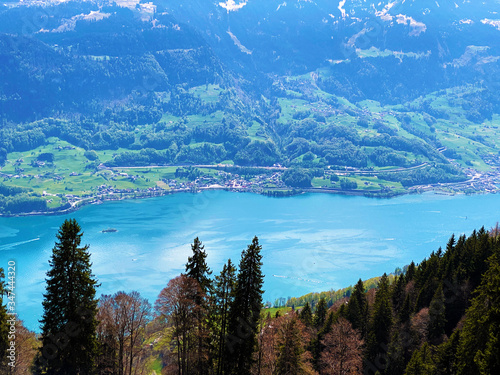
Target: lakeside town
(259, 180)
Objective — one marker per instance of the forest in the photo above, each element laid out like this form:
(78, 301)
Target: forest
(439, 316)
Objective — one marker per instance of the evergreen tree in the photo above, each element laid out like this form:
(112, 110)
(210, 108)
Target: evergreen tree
(437, 317)
(197, 269)
(224, 288)
(446, 358)
(398, 294)
(410, 272)
(404, 314)
(380, 323)
(244, 312)
(69, 318)
(316, 346)
(478, 351)
(422, 362)
(292, 358)
(357, 308)
(306, 315)
(320, 315)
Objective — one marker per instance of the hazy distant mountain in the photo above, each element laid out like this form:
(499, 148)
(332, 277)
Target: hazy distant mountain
(389, 51)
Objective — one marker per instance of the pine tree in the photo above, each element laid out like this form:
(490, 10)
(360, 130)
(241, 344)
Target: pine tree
(292, 356)
(316, 346)
(422, 362)
(380, 323)
(69, 318)
(398, 294)
(224, 295)
(244, 312)
(197, 269)
(320, 314)
(410, 272)
(478, 351)
(357, 308)
(305, 315)
(437, 318)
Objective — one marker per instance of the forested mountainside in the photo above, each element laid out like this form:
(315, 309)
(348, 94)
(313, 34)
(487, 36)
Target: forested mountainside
(376, 99)
(436, 317)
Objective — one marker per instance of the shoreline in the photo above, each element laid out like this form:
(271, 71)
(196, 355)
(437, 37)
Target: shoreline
(75, 206)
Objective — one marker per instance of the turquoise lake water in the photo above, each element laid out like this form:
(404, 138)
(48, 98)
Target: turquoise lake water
(311, 242)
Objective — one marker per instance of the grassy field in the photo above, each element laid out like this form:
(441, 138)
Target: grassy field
(273, 310)
(207, 93)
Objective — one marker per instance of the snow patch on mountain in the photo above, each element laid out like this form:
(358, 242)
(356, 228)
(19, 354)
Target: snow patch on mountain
(352, 40)
(342, 10)
(231, 6)
(238, 44)
(70, 24)
(383, 14)
(494, 23)
(416, 27)
(477, 54)
(281, 5)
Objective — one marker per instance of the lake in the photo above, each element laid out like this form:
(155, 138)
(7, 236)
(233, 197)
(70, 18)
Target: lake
(311, 242)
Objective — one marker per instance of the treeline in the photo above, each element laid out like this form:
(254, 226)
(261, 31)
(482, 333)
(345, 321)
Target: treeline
(438, 173)
(437, 317)
(15, 200)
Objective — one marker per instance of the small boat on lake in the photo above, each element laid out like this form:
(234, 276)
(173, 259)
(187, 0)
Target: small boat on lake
(109, 230)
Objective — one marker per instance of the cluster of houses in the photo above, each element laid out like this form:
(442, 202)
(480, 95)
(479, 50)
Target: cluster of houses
(225, 180)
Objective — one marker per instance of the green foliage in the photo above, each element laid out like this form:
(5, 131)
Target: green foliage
(422, 362)
(429, 175)
(320, 313)
(479, 341)
(224, 296)
(306, 316)
(437, 315)
(3, 156)
(380, 325)
(291, 349)
(258, 153)
(357, 308)
(21, 203)
(297, 177)
(46, 157)
(69, 318)
(197, 268)
(334, 177)
(91, 155)
(10, 190)
(244, 312)
(346, 184)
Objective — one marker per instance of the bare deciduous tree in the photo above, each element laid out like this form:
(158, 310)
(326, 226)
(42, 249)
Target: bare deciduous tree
(343, 350)
(177, 303)
(122, 321)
